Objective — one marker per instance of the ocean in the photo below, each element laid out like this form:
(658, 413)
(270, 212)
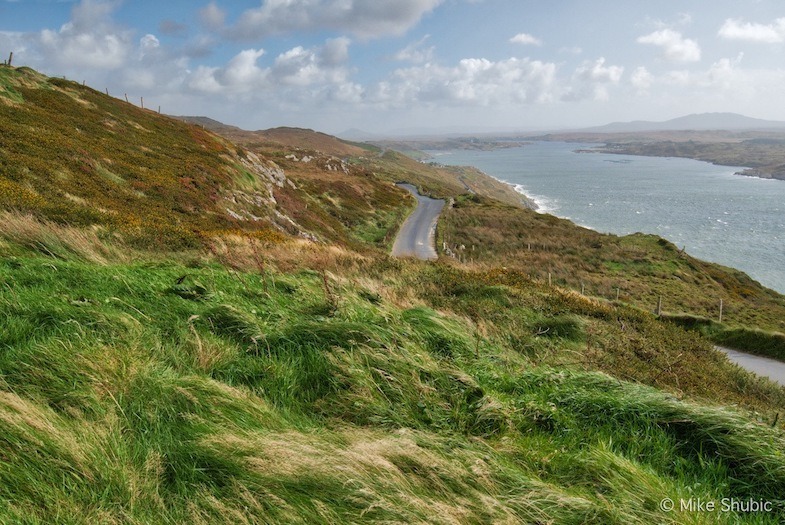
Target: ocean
(717, 216)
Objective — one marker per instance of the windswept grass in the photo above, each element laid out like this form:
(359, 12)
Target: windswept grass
(167, 392)
(760, 342)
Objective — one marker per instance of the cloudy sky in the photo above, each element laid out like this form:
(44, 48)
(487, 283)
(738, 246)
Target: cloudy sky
(414, 65)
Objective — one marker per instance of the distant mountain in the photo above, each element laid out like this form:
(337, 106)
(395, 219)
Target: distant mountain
(697, 121)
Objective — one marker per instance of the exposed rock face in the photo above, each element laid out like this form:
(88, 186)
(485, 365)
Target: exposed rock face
(266, 168)
(336, 164)
(258, 202)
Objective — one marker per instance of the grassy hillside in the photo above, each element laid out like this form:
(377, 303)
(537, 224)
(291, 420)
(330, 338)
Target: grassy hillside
(385, 160)
(639, 268)
(74, 155)
(71, 154)
(328, 387)
(273, 365)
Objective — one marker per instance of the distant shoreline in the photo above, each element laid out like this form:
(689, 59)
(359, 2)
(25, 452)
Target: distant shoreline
(735, 155)
(759, 173)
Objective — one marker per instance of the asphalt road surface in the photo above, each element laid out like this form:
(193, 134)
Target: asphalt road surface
(763, 366)
(417, 235)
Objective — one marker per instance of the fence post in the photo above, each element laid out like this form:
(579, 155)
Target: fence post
(721, 310)
(10, 58)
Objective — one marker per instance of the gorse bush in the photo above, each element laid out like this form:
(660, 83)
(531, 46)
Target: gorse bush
(100, 161)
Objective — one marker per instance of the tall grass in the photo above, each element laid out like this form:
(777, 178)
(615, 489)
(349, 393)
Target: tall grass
(174, 391)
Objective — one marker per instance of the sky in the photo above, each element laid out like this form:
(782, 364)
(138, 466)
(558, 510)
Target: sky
(413, 66)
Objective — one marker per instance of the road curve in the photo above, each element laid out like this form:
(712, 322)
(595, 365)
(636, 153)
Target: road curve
(763, 366)
(417, 235)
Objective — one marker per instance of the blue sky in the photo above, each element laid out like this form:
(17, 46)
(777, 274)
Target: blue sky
(392, 66)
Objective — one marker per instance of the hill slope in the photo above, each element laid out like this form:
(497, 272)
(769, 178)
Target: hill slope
(71, 154)
(244, 380)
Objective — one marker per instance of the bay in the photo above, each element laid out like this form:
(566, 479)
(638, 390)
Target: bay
(716, 215)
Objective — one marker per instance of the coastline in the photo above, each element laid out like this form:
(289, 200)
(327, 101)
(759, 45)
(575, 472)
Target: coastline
(537, 203)
(718, 221)
(642, 150)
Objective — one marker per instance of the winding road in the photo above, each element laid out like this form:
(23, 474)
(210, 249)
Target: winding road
(417, 235)
(763, 366)
(416, 239)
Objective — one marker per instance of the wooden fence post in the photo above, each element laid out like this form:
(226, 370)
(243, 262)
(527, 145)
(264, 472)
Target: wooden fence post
(10, 58)
(721, 310)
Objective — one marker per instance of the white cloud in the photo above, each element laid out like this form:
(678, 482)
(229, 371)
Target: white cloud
(212, 16)
(526, 39)
(723, 83)
(242, 72)
(415, 52)
(473, 81)
(149, 43)
(88, 40)
(641, 79)
(335, 51)
(363, 18)
(12, 41)
(773, 33)
(592, 80)
(675, 47)
(321, 68)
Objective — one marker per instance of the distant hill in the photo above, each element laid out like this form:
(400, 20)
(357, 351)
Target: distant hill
(208, 123)
(358, 135)
(696, 121)
(305, 139)
(73, 155)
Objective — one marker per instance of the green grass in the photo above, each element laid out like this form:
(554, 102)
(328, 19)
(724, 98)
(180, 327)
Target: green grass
(760, 342)
(160, 391)
(642, 269)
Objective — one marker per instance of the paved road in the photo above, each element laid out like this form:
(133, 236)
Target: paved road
(417, 235)
(763, 366)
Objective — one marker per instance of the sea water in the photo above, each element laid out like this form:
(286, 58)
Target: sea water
(716, 215)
